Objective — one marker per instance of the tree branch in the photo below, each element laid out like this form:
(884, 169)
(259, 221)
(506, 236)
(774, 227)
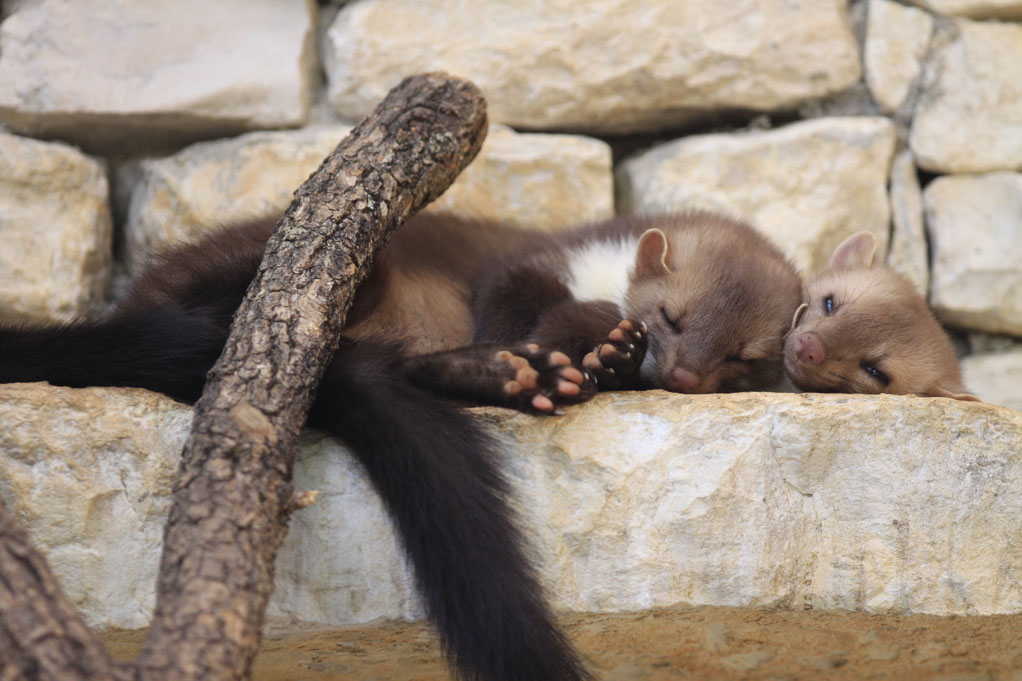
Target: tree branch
(233, 496)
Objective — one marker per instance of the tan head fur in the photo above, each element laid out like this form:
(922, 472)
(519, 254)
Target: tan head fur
(864, 329)
(717, 298)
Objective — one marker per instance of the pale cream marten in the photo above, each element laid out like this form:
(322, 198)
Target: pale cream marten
(864, 329)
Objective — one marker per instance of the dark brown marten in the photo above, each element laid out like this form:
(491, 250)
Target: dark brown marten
(471, 311)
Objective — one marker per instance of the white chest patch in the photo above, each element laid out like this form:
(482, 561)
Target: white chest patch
(599, 270)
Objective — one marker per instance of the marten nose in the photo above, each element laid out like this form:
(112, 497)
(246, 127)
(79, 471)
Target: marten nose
(683, 380)
(809, 348)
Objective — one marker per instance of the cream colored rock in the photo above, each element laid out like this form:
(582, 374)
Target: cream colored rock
(908, 255)
(212, 184)
(605, 66)
(55, 231)
(969, 116)
(975, 9)
(975, 228)
(897, 38)
(116, 74)
(995, 378)
(89, 474)
(539, 180)
(807, 185)
(546, 181)
(636, 500)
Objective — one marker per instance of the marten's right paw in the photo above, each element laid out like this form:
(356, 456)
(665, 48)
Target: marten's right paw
(615, 362)
(544, 379)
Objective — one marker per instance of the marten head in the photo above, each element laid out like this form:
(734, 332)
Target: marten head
(717, 298)
(864, 329)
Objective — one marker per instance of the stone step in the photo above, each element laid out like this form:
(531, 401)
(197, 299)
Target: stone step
(634, 501)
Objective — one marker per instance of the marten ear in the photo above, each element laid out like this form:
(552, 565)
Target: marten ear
(651, 254)
(854, 253)
(797, 317)
(941, 391)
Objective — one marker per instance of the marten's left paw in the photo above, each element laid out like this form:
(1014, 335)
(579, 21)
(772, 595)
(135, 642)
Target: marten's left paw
(544, 380)
(615, 363)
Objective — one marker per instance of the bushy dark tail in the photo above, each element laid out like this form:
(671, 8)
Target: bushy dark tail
(435, 470)
(165, 349)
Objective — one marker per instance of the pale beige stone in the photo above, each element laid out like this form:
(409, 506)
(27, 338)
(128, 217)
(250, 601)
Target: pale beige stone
(211, 184)
(115, 74)
(546, 181)
(975, 9)
(995, 378)
(807, 185)
(537, 180)
(605, 66)
(89, 474)
(55, 231)
(969, 116)
(897, 38)
(908, 255)
(636, 500)
(975, 225)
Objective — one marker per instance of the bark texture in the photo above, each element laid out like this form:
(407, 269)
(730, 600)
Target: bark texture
(233, 495)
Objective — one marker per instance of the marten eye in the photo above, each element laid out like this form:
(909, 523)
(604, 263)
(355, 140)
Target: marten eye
(828, 304)
(675, 324)
(875, 373)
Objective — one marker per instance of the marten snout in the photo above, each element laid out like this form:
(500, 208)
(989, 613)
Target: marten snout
(809, 349)
(683, 381)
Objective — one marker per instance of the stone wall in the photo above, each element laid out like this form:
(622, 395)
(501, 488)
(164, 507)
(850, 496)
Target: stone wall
(131, 125)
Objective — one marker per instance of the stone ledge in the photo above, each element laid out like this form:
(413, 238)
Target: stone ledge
(634, 501)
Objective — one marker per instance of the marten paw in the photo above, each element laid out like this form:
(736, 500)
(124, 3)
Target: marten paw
(544, 379)
(615, 362)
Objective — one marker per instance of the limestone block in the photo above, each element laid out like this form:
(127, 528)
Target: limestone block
(55, 229)
(969, 116)
(995, 378)
(807, 185)
(89, 474)
(636, 500)
(605, 66)
(908, 255)
(974, 9)
(212, 184)
(112, 75)
(545, 181)
(897, 38)
(538, 180)
(975, 229)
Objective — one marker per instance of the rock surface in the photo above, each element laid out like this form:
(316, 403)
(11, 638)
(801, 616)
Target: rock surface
(636, 500)
(546, 181)
(210, 184)
(975, 9)
(807, 185)
(538, 180)
(995, 378)
(55, 231)
(897, 39)
(969, 116)
(974, 224)
(166, 72)
(908, 255)
(614, 67)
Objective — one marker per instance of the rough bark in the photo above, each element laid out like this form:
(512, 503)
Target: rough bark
(233, 495)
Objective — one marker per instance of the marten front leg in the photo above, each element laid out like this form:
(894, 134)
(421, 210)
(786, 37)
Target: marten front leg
(523, 376)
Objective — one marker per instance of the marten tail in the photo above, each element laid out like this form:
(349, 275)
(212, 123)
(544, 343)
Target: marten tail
(168, 350)
(436, 472)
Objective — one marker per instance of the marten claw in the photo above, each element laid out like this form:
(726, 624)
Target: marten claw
(615, 362)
